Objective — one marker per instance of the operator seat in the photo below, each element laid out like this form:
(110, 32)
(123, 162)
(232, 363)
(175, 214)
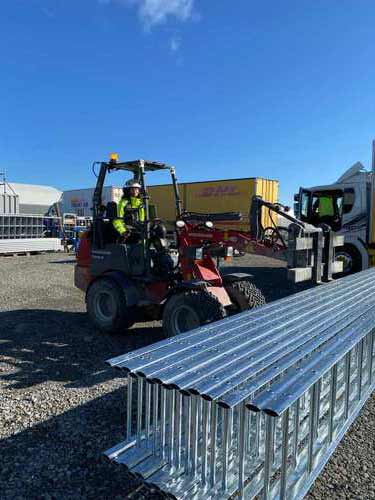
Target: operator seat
(162, 261)
(111, 210)
(110, 233)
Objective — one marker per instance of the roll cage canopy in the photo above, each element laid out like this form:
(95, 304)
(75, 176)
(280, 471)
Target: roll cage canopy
(135, 166)
(138, 168)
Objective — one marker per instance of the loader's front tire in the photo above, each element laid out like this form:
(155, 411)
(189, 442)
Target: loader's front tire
(106, 307)
(244, 295)
(351, 259)
(190, 309)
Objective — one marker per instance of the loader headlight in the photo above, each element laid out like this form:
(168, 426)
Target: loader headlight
(209, 224)
(180, 224)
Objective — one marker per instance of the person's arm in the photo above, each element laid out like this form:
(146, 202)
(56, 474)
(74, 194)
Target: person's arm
(119, 223)
(142, 213)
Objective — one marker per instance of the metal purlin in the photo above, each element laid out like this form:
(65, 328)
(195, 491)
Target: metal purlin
(255, 404)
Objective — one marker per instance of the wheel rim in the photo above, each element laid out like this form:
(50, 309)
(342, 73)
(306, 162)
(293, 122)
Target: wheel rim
(105, 306)
(184, 318)
(347, 261)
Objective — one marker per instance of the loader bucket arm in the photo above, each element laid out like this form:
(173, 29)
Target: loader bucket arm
(309, 250)
(176, 191)
(255, 216)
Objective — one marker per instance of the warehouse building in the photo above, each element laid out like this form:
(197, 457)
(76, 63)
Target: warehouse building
(79, 201)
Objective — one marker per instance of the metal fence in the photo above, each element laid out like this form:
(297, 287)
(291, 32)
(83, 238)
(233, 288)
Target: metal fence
(254, 404)
(23, 226)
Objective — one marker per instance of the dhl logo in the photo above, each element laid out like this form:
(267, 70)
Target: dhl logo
(221, 190)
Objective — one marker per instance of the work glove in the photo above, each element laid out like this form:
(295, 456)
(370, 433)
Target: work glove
(124, 237)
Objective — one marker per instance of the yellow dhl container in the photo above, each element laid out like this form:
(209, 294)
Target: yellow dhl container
(230, 195)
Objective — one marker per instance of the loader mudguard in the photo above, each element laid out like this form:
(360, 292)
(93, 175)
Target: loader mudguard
(127, 286)
(232, 277)
(191, 285)
(186, 285)
(218, 291)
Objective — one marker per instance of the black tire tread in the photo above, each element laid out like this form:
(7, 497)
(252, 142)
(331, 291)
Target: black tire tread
(244, 295)
(356, 256)
(125, 317)
(208, 307)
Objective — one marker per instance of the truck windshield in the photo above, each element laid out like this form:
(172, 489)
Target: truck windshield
(322, 207)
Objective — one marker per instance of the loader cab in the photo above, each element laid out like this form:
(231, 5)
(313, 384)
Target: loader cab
(134, 259)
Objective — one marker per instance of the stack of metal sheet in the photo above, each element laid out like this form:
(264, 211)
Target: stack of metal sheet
(253, 404)
(24, 245)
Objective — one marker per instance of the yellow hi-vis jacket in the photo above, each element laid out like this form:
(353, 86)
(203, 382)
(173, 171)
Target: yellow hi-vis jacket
(123, 204)
(326, 206)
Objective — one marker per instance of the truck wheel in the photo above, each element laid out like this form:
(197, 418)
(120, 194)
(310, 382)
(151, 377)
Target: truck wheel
(351, 259)
(106, 307)
(190, 309)
(244, 296)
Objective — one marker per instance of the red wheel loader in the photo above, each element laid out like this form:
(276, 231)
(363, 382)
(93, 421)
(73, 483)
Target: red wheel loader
(148, 279)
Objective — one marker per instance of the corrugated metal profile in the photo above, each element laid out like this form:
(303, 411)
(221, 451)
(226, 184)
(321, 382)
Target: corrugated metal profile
(30, 245)
(255, 404)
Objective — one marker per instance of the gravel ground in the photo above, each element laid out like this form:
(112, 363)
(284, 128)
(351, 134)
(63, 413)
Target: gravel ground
(60, 406)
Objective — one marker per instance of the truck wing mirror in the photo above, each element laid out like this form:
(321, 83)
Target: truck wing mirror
(348, 200)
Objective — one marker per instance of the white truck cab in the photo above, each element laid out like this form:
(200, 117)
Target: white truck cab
(346, 207)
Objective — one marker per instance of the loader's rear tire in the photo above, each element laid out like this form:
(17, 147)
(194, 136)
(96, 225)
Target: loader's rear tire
(244, 295)
(190, 309)
(106, 307)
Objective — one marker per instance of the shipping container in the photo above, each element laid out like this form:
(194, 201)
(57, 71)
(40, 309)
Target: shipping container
(230, 195)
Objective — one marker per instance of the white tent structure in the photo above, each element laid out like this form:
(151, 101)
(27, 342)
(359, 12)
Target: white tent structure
(35, 199)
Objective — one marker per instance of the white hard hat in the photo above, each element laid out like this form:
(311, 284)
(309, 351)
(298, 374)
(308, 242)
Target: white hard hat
(133, 184)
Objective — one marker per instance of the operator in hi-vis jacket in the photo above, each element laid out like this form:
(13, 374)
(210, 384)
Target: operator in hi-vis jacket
(131, 203)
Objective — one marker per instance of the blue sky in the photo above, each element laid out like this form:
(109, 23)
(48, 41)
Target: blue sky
(279, 89)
